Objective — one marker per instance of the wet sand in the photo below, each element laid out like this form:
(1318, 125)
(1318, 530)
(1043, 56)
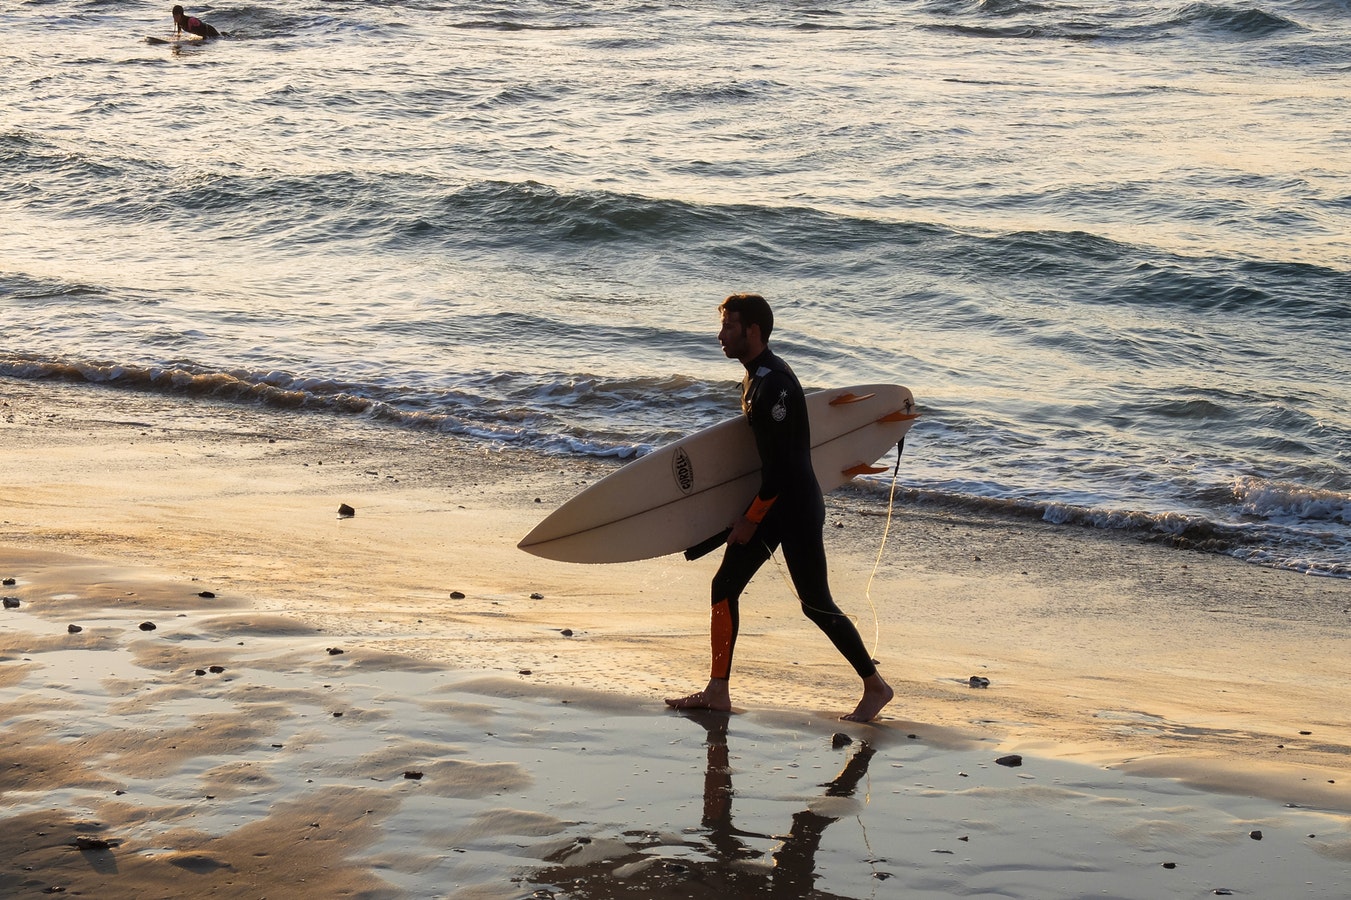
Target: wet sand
(493, 724)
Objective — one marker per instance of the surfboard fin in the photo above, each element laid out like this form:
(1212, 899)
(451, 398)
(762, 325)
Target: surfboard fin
(898, 416)
(848, 397)
(862, 469)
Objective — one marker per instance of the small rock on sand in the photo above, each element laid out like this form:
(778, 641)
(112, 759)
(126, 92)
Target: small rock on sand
(90, 843)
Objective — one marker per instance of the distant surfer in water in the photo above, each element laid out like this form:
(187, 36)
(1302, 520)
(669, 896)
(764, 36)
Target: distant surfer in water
(788, 512)
(192, 25)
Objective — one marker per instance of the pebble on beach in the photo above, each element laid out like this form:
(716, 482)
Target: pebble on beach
(11, 603)
(345, 511)
(147, 626)
(90, 843)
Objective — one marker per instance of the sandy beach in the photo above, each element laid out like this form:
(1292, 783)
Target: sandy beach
(211, 684)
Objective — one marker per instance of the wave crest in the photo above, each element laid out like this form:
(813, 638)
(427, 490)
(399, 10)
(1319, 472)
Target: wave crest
(1278, 500)
(1266, 543)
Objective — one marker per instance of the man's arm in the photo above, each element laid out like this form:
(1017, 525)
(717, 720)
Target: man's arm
(769, 416)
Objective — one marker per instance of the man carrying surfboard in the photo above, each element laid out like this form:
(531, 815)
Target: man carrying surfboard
(192, 25)
(788, 511)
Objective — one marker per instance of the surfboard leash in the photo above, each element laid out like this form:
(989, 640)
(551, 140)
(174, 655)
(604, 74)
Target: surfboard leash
(877, 563)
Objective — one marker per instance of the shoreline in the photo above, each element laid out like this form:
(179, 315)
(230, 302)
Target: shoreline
(1104, 655)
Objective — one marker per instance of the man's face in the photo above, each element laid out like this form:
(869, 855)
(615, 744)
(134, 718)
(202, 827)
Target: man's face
(732, 336)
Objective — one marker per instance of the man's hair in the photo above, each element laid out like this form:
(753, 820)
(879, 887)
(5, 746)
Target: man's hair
(751, 309)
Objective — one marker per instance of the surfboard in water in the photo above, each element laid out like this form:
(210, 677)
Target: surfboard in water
(176, 41)
(684, 493)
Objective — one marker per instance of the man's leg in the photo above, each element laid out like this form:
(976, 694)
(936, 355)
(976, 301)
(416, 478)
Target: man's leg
(739, 564)
(805, 556)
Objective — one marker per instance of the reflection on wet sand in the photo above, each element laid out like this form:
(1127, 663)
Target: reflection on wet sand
(731, 865)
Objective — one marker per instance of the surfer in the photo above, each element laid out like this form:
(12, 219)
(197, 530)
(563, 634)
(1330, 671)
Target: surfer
(788, 511)
(192, 25)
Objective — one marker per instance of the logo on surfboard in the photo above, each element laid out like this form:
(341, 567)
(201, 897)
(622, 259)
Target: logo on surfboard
(683, 470)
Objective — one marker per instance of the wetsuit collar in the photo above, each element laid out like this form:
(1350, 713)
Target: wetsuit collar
(759, 361)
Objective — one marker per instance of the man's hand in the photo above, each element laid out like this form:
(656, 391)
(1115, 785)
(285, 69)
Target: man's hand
(743, 529)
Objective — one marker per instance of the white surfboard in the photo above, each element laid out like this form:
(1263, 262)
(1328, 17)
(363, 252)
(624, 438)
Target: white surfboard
(681, 494)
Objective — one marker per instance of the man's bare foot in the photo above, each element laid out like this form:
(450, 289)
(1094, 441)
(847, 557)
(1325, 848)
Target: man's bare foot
(876, 694)
(716, 696)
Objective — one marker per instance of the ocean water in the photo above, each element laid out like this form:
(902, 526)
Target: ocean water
(1107, 244)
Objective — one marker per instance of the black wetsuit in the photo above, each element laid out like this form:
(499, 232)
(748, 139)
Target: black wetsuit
(194, 25)
(776, 408)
